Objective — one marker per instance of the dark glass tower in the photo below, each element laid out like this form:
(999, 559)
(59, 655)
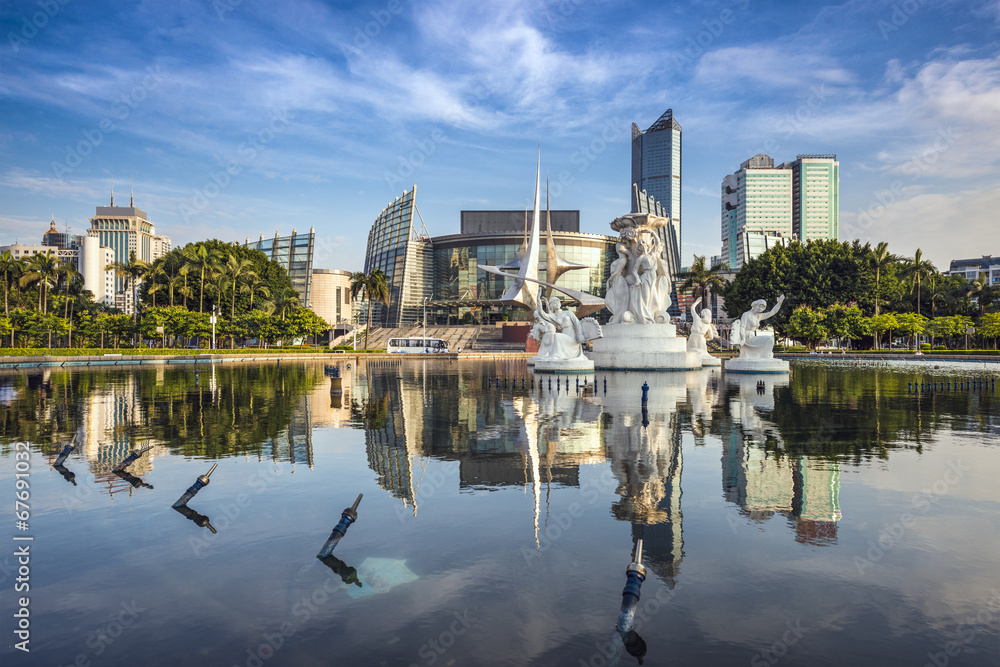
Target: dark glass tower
(656, 167)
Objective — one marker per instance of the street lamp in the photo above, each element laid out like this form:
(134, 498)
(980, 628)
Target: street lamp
(212, 319)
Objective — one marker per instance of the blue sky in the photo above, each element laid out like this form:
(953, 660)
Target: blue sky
(242, 117)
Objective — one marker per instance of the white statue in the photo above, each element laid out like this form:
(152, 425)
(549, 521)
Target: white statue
(745, 331)
(560, 334)
(702, 331)
(638, 290)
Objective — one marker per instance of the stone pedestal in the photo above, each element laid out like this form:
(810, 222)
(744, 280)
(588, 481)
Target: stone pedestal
(709, 360)
(738, 365)
(577, 365)
(643, 346)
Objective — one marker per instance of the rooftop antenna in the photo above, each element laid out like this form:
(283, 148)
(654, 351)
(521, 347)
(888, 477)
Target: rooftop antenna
(131, 192)
(112, 190)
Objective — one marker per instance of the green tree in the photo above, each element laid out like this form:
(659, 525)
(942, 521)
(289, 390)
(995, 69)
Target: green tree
(989, 327)
(915, 270)
(703, 280)
(911, 324)
(133, 272)
(806, 325)
(41, 269)
(881, 260)
(202, 261)
(884, 323)
(239, 272)
(10, 269)
(372, 287)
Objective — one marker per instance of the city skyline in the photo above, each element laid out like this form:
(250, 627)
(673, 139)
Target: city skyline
(237, 119)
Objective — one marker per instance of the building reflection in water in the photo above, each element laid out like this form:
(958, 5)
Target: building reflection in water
(761, 479)
(647, 461)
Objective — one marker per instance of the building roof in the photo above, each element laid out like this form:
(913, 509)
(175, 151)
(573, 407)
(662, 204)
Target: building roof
(665, 122)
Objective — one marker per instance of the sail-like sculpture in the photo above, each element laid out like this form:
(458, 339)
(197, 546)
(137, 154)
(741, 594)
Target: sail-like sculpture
(524, 290)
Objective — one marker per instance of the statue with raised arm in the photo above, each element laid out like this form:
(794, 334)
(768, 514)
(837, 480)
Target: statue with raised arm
(561, 335)
(702, 331)
(746, 331)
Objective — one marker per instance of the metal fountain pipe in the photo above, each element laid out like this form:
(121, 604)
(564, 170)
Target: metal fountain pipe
(127, 461)
(636, 573)
(63, 454)
(198, 485)
(349, 516)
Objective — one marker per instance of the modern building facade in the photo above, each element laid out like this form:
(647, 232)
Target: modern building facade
(330, 296)
(656, 167)
(86, 252)
(764, 205)
(64, 240)
(444, 270)
(295, 254)
(972, 268)
(126, 229)
(404, 254)
(815, 197)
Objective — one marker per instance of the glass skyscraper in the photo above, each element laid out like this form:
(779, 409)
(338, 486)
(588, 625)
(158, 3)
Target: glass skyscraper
(295, 254)
(656, 167)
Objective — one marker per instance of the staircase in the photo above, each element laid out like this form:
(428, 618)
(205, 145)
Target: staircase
(491, 340)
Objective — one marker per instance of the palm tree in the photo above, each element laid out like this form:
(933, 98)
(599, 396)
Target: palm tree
(883, 258)
(283, 303)
(66, 275)
(203, 260)
(256, 286)
(373, 286)
(41, 269)
(133, 272)
(238, 271)
(984, 293)
(703, 279)
(11, 270)
(917, 269)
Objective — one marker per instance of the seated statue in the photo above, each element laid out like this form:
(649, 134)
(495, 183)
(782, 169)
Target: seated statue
(745, 331)
(559, 333)
(702, 331)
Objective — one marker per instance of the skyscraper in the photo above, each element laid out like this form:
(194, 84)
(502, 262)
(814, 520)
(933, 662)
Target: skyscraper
(764, 205)
(656, 167)
(126, 229)
(815, 197)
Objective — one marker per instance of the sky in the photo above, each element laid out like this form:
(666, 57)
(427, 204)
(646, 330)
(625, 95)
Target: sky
(236, 118)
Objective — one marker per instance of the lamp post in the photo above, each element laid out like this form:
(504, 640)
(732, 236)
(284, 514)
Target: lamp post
(212, 319)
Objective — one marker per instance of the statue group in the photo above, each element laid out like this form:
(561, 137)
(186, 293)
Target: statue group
(638, 290)
(702, 331)
(561, 335)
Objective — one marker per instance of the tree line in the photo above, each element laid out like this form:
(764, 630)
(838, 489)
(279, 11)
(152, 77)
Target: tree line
(45, 300)
(886, 294)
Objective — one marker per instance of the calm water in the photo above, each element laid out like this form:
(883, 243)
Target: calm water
(832, 517)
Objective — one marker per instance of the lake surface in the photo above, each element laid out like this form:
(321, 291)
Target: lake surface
(836, 516)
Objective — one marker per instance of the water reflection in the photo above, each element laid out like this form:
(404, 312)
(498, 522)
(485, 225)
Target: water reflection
(763, 479)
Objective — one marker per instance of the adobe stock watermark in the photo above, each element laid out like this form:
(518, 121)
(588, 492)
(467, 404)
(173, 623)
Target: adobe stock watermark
(247, 152)
(796, 120)
(121, 109)
(713, 29)
(967, 631)
(28, 28)
(901, 14)
(429, 485)
(434, 649)
(918, 165)
(922, 503)
(366, 33)
(773, 654)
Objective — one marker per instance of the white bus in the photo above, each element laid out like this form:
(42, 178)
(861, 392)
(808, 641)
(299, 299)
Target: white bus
(416, 345)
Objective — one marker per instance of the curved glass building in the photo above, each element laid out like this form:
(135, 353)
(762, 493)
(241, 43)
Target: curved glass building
(441, 273)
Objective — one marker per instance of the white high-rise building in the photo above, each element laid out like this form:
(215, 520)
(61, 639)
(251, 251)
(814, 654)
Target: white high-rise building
(764, 205)
(126, 229)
